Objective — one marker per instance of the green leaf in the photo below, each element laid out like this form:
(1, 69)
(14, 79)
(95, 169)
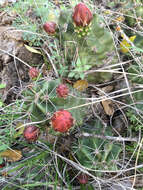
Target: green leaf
(71, 74)
(86, 67)
(1, 104)
(79, 69)
(3, 147)
(78, 63)
(1, 160)
(137, 49)
(2, 86)
(82, 76)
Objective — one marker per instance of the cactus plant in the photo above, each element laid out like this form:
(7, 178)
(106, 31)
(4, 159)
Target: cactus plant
(31, 133)
(62, 91)
(41, 100)
(82, 16)
(83, 178)
(62, 121)
(85, 40)
(33, 73)
(50, 27)
(96, 153)
(134, 15)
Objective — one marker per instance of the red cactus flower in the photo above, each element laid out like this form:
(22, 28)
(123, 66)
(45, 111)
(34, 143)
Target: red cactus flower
(82, 16)
(31, 133)
(83, 178)
(50, 27)
(62, 90)
(33, 73)
(62, 121)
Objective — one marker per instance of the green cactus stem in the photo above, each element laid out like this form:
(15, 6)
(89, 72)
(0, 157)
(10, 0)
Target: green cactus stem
(41, 100)
(95, 153)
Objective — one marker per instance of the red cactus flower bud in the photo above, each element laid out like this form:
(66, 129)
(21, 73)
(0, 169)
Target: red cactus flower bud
(31, 133)
(62, 121)
(83, 179)
(2, 165)
(62, 90)
(33, 73)
(50, 27)
(82, 16)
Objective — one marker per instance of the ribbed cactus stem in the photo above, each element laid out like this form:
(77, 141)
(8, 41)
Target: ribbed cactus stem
(41, 108)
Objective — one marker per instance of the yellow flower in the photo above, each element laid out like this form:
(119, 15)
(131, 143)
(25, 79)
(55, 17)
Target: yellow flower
(124, 45)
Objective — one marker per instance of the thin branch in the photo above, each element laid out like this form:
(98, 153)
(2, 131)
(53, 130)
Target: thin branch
(53, 65)
(118, 139)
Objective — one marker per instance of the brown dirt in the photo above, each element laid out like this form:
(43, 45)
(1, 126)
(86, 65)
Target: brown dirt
(14, 58)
